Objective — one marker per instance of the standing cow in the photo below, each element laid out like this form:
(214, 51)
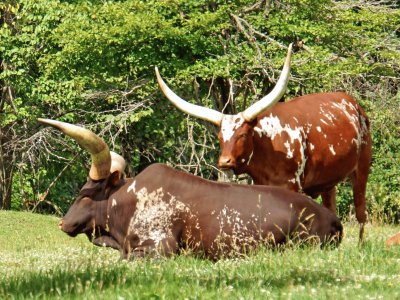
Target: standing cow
(164, 210)
(309, 144)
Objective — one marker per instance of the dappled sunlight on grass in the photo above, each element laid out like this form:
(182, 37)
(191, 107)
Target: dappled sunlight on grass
(45, 261)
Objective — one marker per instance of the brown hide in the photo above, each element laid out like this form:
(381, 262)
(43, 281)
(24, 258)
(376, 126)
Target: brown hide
(393, 241)
(308, 144)
(168, 211)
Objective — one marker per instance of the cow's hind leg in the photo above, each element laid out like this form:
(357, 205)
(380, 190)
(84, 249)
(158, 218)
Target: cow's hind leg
(329, 199)
(359, 181)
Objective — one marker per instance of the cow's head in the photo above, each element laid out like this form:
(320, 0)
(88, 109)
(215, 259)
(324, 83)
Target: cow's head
(88, 214)
(236, 131)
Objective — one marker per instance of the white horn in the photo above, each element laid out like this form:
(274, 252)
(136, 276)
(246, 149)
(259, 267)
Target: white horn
(118, 163)
(274, 96)
(204, 113)
(98, 149)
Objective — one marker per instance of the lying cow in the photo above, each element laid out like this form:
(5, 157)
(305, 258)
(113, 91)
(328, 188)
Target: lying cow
(166, 211)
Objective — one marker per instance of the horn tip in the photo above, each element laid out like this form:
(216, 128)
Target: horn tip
(43, 120)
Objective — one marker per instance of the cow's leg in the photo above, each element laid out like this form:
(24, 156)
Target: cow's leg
(329, 199)
(106, 241)
(359, 181)
(166, 247)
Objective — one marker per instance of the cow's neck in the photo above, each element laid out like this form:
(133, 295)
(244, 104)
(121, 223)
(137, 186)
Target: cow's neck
(269, 165)
(119, 212)
(255, 166)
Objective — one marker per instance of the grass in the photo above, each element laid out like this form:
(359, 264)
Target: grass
(39, 261)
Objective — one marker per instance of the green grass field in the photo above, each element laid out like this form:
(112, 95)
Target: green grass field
(38, 261)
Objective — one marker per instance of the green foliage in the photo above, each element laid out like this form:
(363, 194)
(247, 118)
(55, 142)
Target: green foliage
(92, 63)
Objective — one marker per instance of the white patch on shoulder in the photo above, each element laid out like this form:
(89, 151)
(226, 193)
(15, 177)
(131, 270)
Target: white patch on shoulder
(132, 187)
(311, 147)
(289, 151)
(271, 127)
(319, 128)
(154, 215)
(229, 124)
(113, 203)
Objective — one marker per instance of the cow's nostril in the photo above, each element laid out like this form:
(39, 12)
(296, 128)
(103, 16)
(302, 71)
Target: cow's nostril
(226, 162)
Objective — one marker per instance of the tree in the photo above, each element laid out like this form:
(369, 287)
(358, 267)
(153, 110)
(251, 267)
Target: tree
(92, 63)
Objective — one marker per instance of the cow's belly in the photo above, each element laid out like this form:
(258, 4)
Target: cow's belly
(324, 171)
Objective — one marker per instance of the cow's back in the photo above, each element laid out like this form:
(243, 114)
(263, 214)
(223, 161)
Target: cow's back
(315, 141)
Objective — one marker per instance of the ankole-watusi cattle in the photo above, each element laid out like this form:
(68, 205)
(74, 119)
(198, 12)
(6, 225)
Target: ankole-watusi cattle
(307, 144)
(166, 211)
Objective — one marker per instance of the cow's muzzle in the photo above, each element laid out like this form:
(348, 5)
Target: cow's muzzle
(226, 162)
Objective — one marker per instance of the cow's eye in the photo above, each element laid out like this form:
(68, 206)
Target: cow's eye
(243, 135)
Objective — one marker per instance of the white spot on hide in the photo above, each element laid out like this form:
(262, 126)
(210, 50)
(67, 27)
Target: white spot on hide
(132, 187)
(154, 215)
(332, 149)
(113, 203)
(229, 124)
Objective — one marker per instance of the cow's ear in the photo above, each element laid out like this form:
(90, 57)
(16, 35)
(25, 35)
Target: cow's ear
(115, 178)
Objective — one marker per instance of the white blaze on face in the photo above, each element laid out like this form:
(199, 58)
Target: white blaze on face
(229, 125)
(154, 215)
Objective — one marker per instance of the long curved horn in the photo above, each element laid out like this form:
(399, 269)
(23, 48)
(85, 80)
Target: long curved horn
(98, 149)
(274, 96)
(118, 163)
(204, 113)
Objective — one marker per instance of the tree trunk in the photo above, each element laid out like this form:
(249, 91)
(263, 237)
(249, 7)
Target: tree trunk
(6, 168)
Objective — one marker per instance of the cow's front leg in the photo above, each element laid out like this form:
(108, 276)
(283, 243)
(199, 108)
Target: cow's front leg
(106, 241)
(149, 248)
